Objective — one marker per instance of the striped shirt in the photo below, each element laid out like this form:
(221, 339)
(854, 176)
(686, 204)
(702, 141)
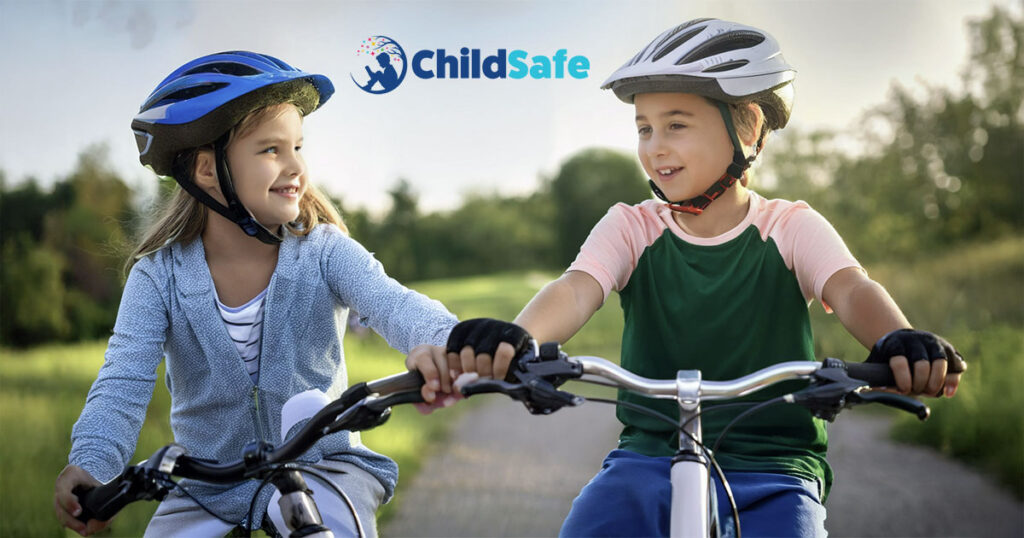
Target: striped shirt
(244, 324)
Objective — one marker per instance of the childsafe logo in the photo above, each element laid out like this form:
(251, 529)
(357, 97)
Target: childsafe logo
(383, 64)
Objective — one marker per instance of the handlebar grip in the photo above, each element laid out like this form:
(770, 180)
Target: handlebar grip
(411, 380)
(874, 374)
(101, 502)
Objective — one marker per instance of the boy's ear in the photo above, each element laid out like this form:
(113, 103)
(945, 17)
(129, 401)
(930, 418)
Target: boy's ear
(749, 139)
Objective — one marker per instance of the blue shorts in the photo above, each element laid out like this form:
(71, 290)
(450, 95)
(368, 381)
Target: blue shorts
(631, 496)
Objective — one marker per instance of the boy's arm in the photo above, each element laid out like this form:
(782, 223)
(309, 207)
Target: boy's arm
(868, 312)
(561, 308)
(556, 313)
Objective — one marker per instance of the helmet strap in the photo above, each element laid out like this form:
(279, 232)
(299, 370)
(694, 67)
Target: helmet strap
(234, 211)
(739, 164)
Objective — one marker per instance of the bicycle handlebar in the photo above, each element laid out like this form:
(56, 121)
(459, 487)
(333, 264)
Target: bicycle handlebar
(362, 406)
(367, 405)
(834, 385)
(874, 375)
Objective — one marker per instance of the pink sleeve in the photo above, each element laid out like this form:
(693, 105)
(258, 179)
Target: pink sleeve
(613, 247)
(811, 248)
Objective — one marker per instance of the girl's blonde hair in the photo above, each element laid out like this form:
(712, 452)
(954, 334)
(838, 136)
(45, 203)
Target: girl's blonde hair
(182, 218)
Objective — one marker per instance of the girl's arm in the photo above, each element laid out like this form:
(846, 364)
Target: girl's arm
(868, 312)
(104, 437)
(556, 313)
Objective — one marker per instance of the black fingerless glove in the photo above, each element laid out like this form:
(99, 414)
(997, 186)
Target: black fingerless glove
(916, 346)
(484, 335)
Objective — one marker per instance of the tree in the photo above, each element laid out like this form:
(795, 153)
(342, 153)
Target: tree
(934, 170)
(587, 184)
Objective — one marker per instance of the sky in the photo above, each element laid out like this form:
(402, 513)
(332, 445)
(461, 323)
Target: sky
(75, 73)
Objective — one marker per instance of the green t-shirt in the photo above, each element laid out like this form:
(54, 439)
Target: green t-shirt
(726, 306)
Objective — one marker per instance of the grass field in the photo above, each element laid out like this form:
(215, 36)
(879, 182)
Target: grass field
(975, 297)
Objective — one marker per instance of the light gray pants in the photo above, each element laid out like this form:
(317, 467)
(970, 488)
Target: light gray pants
(181, 516)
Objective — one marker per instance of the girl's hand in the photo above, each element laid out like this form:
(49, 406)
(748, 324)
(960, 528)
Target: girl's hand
(922, 363)
(65, 503)
(437, 377)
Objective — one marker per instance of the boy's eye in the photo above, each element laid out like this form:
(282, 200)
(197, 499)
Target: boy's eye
(643, 130)
(677, 126)
(298, 148)
(271, 149)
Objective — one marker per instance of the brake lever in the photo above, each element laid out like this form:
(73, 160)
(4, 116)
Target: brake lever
(539, 396)
(898, 401)
(833, 390)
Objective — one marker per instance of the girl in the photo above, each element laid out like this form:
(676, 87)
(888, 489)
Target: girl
(243, 283)
(717, 279)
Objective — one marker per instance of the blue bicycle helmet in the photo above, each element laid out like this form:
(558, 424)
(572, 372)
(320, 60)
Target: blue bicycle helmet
(206, 97)
(201, 101)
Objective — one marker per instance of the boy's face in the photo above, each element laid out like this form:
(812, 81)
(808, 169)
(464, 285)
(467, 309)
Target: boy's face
(683, 144)
(268, 171)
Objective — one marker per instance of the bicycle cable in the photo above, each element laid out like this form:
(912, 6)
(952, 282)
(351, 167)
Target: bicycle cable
(715, 408)
(709, 454)
(205, 508)
(743, 415)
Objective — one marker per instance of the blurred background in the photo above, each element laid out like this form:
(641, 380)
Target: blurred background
(907, 134)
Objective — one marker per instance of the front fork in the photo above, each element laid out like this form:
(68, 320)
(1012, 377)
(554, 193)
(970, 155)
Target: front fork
(691, 509)
(297, 507)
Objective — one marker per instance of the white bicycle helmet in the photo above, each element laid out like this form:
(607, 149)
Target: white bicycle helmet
(723, 61)
(717, 59)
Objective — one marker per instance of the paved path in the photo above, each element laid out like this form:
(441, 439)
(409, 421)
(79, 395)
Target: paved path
(514, 474)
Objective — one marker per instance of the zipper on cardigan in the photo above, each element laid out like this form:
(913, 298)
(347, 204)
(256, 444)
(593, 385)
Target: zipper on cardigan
(259, 418)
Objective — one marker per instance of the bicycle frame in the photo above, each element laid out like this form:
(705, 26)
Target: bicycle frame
(691, 509)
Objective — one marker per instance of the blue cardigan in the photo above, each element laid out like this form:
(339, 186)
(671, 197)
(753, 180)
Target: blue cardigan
(168, 309)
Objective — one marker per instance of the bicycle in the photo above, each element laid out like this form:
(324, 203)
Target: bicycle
(363, 406)
(834, 385)
(534, 380)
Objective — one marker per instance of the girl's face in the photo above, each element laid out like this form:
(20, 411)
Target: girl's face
(268, 171)
(684, 145)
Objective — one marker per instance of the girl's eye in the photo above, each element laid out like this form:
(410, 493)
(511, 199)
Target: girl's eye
(298, 148)
(271, 149)
(644, 130)
(677, 126)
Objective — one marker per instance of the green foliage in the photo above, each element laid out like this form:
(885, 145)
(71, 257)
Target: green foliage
(487, 233)
(586, 185)
(62, 252)
(982, 424)
(931, 171)
(35, 316)
(972, 296)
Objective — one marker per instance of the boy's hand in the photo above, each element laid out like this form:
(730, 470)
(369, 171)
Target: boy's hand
(437, 377)
(65, 503)
(486, 346)
(921, 362)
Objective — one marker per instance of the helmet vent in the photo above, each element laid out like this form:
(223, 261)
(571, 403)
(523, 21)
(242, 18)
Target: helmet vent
(225, 68)
(724, 43)
(677, 42)
(727, 66)
(182, 94)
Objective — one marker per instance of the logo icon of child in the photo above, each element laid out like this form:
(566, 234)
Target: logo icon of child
(381, 59)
